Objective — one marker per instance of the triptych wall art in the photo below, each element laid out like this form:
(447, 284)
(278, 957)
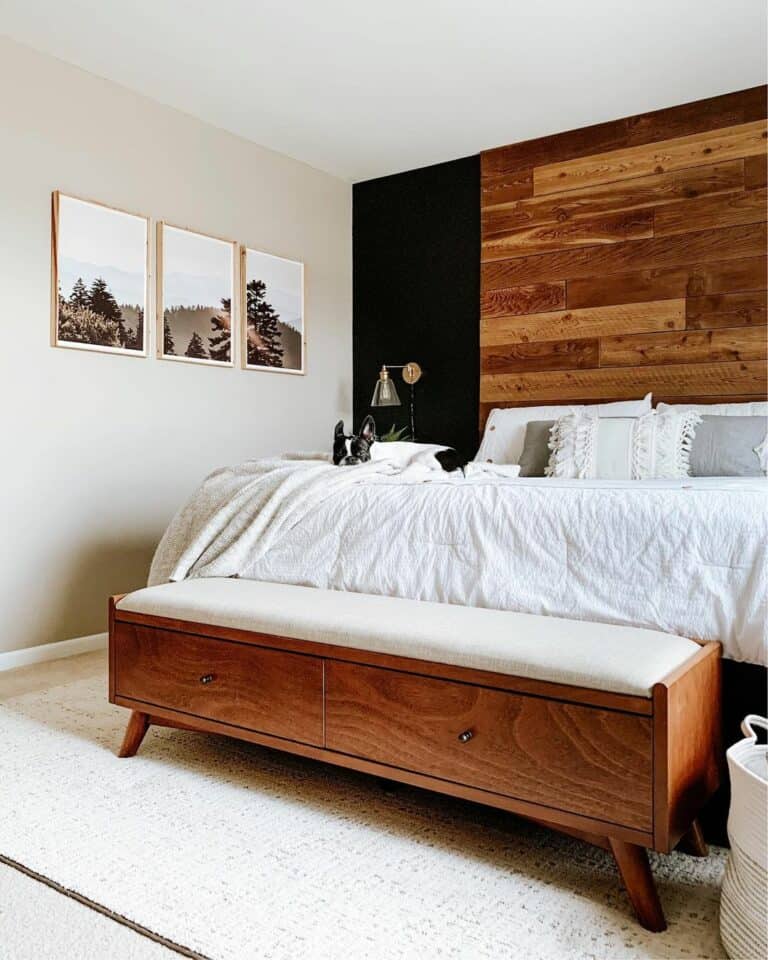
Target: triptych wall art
(214, 300)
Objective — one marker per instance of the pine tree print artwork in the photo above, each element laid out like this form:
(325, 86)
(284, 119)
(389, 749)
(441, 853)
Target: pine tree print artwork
(100, 264)
(196, 294)
(220, 348)
(265, 347)
(274, 312)
(138, 337)
(79, 298)
(84, 326)
(196, 348)
(102, 302)
(169, 346)
(93, 316)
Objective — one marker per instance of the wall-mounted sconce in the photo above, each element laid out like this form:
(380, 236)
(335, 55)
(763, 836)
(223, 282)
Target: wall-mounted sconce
(385, 394)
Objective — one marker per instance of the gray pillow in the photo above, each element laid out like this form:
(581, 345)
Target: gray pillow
(536, 452)
(725, 446)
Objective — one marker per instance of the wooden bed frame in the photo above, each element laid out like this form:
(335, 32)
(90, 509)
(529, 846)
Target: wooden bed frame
(622, 772)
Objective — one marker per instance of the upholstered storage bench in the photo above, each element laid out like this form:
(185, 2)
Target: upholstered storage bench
(604, 732)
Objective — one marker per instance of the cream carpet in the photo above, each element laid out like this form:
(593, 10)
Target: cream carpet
(36, 923)
(235, 851)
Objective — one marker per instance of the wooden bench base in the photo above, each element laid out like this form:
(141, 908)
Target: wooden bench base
(631, 858)
(625, 773)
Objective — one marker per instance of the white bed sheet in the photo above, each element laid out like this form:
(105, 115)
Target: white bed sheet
(684, 556)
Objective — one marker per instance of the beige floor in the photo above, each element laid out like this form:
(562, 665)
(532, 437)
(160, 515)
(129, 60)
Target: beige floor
(37, 922)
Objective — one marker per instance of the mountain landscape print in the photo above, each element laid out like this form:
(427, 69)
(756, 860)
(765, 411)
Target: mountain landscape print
(273, 322)
(196, 296)
(100, 265)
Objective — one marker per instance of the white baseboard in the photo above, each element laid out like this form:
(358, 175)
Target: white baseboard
(52, 651)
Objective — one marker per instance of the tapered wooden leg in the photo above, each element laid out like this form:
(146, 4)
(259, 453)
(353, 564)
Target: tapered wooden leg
(693, 842)
(632, 861)
(138, 724)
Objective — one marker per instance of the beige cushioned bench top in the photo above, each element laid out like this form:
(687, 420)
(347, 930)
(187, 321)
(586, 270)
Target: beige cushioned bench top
(598, 655)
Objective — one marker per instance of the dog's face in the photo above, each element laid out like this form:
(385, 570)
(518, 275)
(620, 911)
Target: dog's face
(349, 450)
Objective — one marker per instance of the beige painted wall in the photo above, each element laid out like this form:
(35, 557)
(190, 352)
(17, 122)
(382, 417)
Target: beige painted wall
(97, 451)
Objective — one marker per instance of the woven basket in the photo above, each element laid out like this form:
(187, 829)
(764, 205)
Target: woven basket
(744, 900)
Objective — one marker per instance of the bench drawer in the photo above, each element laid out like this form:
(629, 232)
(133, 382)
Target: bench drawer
(263, 690)
(585, 760)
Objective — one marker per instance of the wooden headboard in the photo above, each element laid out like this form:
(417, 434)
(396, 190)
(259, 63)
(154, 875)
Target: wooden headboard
(626, 257)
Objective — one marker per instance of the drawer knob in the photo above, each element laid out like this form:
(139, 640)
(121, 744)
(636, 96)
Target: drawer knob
(208, 678)
(466, 736)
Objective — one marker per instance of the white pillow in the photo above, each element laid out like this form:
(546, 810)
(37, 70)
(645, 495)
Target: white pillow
(656, 445)
(757, 408)
(504, 434)
(762, 454)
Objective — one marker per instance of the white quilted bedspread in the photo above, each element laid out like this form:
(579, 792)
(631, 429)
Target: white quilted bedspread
(684, 556)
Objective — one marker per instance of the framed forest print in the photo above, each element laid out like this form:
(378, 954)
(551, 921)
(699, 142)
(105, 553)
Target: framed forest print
(195, 296)
(272, 311)
(99, 277)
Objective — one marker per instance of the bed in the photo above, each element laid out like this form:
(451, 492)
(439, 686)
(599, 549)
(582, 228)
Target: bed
(683, 556)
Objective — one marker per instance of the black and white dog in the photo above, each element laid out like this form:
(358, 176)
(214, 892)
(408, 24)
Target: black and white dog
(351, 449)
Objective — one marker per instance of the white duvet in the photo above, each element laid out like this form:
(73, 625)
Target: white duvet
(685, 556)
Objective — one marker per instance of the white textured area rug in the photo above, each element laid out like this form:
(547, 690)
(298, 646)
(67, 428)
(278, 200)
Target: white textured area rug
(239, 852)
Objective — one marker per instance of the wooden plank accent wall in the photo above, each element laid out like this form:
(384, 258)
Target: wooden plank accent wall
(627, 257)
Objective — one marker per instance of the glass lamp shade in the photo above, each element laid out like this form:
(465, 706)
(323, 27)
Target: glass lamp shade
(384, 393)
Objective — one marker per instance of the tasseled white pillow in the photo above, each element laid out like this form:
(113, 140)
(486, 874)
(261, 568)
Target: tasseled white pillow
(654, 446)
(762, 453)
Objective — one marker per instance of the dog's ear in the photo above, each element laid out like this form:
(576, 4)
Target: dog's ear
(368, 429)
(338, 430)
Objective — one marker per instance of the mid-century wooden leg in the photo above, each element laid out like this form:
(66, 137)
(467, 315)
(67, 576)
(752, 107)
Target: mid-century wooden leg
(693, 842)
(632, 861)
(138, 724)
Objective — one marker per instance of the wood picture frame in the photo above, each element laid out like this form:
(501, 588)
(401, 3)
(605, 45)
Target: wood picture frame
(289, 317)
(230, 285)
(91, 327)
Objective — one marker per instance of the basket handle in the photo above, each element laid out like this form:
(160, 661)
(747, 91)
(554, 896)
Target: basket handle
(751, 721)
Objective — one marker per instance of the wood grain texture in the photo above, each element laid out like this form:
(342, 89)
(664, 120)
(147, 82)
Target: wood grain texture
(534, 298)
(728, 110)
(656, 226)
(268, 690)
(623, 702)
(138, 724)
(726, 310)
(726, 210)
(650, 191)
(693, 280)
(641, 777)
(706, 246)
(536, 750)
(507, 186)
(756, 172)
(581, 232)
(688, 346)
(552, 816)
(586, 322)
(716, 380)
(546, 355)
(728, 143)
(688, 758)
(635, 871)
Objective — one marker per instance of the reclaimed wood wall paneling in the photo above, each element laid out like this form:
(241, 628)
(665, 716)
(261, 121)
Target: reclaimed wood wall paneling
(626, 257)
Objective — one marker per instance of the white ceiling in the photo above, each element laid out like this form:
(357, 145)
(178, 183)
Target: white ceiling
(363, 88)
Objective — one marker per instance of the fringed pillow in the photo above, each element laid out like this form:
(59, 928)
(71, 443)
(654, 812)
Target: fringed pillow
(656, 445)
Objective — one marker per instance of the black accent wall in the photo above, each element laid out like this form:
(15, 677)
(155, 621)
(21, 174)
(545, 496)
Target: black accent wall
(416, 274)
